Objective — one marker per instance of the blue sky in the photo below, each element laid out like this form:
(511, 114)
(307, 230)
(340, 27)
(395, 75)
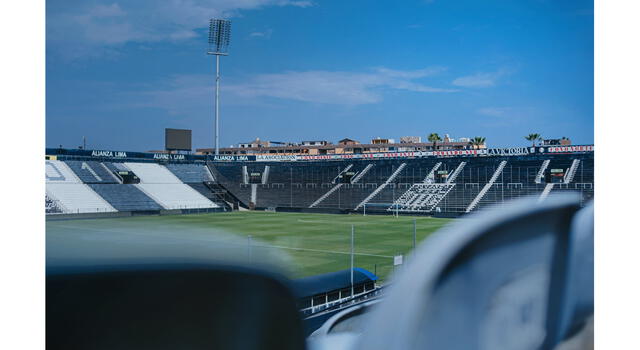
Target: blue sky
(120, 72)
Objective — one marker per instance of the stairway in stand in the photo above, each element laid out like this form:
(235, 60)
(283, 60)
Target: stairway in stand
(381, 187)
(486, 187)
(424, 197)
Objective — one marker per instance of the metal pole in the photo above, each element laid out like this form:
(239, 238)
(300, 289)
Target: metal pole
(217, 100)
(249, 248)
(364, 212)
(352, 235)
(414, 234)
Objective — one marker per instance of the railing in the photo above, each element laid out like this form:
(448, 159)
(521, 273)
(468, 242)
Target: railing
(546, 191)
(336, 187)
(341, 172)
(265, 175)
(456, 172)
(572, 171)
(421, 197)
(327, 194)
(374, 193)
(486, 187)
(540, 174)
(361, 174)
(340, 303)
(432, 172)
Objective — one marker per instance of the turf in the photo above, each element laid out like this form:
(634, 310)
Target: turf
(314, 243)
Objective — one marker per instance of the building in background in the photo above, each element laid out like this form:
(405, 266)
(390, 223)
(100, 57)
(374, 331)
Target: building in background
(344, 146)
(348, 142)
(410, 139)
(564, 141)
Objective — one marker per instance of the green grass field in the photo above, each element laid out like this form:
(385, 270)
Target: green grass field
(313, 243)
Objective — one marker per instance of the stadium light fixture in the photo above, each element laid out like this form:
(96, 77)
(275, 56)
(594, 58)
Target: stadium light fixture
(219, 39)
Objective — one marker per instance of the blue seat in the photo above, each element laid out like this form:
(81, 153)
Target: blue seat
(125, 197)
(91, 172)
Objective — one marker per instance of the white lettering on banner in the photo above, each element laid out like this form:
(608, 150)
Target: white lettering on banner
(109, 154)
(166, 156)
(563, 149)
(275, 158)
(456, 153)
(230, 158)
(514, 151)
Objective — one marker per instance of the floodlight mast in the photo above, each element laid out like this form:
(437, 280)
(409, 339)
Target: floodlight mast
(219, 38)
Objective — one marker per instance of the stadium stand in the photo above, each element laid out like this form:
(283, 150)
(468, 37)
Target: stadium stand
(52, 206)
(456, 185)
(65, 189)
(125, 197)
(443, 185)
(197, 176)
(115, 167)
(190, 173)
(92, 172)
(157, 182)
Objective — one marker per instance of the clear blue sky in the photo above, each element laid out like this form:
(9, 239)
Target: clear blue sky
(119, 72)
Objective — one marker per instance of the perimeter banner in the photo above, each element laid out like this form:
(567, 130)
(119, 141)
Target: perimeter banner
(275, 158)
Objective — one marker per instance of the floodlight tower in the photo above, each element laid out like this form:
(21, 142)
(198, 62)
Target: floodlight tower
(219, 37)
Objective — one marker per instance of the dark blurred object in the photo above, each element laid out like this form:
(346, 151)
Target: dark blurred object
(497, 280)
(579, 296)
(156, 305)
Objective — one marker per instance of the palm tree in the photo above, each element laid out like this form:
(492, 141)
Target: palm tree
(533, 138)
(434, 137)
(477, 141)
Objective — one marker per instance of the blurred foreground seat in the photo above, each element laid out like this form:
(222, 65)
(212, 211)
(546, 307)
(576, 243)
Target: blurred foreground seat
(169, 305)
(516, 277)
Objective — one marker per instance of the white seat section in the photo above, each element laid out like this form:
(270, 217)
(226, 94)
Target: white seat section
(165, 188)
(77, 198)
(153, 173)
(58, 172)
(176, 196)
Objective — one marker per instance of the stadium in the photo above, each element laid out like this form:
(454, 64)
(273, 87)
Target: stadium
(443, 244)
(307, 207)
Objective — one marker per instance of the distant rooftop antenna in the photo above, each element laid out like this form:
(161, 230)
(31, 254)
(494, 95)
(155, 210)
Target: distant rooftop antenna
(219, 38)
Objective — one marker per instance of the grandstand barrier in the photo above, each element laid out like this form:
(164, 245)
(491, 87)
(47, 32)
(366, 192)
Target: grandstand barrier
(120, 214)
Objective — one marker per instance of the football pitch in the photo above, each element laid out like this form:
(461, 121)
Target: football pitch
(311, 243)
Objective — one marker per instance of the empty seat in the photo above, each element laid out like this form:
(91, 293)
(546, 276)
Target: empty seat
(153, 173)
(176, 196)
(78, 198)
(69, 193)
(91, 171)
(190, 173)
(125, 197)
(58, 172)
